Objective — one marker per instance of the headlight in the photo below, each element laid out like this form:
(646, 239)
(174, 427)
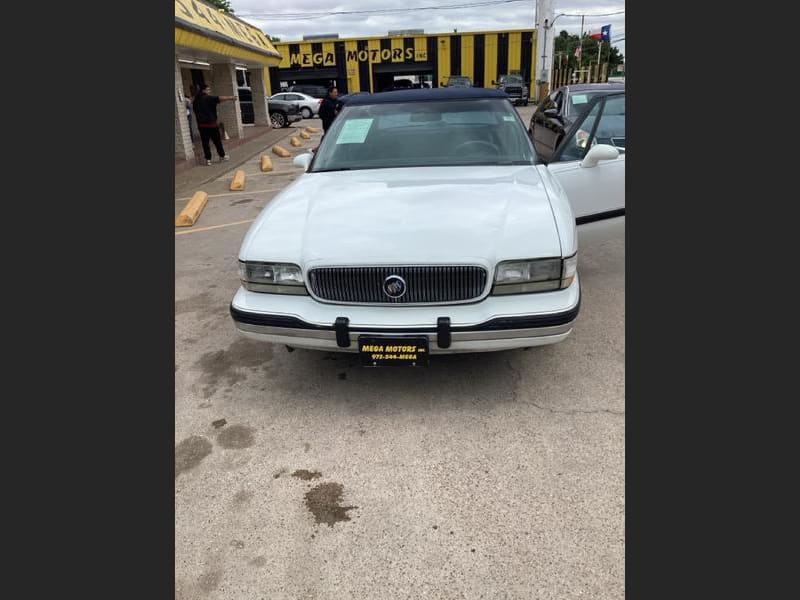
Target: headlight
(272, 278)
(527, 276)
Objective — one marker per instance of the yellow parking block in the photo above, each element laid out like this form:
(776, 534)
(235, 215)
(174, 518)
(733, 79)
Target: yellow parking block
(294, 142)
(314, 129)
(266, 163)
(281, 151)
(237, 184)
(192, 210)
(305, 136)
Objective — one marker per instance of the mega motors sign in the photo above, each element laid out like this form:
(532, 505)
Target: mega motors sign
(327, 59)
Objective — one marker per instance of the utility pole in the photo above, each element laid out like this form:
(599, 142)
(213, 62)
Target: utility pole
(544, 46)
(580, 45)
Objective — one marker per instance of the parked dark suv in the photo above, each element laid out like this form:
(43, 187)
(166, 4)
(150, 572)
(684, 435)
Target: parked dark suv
(281, 113)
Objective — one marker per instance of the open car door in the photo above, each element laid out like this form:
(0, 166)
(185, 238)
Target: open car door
(589, 162)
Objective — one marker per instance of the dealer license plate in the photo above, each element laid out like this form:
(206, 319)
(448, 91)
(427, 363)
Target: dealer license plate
(393, 351)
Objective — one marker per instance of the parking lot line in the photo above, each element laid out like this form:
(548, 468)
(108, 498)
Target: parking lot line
(213, 227)
(235, 193)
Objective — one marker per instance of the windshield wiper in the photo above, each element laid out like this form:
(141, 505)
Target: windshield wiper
(329, 170)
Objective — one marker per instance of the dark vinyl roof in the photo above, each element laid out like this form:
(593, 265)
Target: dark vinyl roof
(424, 95)
(583, 87)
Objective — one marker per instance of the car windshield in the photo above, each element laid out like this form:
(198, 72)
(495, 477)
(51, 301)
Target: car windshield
(580, 100)
(510, 79)
(425, 134)
(458, 81)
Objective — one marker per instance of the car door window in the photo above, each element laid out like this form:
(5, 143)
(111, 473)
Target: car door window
(603, 124)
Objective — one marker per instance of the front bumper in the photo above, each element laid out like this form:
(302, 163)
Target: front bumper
(294, 118)
(495, 323)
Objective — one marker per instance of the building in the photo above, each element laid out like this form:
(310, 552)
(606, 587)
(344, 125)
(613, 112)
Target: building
(370, 64)
(213, 47)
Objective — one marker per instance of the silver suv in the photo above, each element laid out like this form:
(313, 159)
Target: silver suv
(515, 87)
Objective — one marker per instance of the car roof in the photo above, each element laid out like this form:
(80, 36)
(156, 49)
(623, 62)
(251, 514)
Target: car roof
(426, 95)
(583, 87)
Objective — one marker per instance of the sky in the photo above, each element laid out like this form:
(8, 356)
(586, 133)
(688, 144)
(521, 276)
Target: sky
(292, 20)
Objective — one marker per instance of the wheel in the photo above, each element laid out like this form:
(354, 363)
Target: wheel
(278, 120)
(477, 144)
(306, 112)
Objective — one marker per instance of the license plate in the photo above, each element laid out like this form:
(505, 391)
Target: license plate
(393, 351)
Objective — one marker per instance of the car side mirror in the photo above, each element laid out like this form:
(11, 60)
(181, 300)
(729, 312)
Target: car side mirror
(597, 153)
(303, 160)
(494, 82)
(552, 113)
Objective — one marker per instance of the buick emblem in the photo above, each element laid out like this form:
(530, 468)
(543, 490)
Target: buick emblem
(394, 286)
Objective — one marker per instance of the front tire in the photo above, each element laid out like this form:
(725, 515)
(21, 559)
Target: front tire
(278, 120)
(306, 112)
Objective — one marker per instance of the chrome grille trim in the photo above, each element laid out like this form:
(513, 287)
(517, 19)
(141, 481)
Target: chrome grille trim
(427, 284)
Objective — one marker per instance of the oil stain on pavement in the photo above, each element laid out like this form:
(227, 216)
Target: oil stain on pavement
(236, 437)
(306, 475)
(210, 580)
(190, 453)
(324, 500)
(227, 366)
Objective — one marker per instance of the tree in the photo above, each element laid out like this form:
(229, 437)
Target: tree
(564, 52)
(223, 5)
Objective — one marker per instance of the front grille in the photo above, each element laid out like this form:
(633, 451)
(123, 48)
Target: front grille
(429, 284)
(517, 91)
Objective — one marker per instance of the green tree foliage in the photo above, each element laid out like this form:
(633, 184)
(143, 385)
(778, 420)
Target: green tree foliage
(564, 53)
(223, 5)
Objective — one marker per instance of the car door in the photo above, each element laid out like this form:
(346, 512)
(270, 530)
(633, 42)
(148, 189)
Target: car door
(596, 190)
(546, 128)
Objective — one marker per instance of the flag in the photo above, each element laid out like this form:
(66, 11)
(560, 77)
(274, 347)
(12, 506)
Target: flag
(578, 51)
(604, 35)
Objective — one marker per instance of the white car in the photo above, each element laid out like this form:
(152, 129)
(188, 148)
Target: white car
(424, 224)
(309, 106)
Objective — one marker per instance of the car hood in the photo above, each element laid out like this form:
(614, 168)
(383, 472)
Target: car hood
(475, 215)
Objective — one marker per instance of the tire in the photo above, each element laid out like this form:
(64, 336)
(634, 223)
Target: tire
(306, 112)
(278, 120)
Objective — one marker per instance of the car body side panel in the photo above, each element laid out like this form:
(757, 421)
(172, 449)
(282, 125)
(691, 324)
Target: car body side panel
(594, 190)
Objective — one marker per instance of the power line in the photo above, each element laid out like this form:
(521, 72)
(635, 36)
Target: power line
(314, 15)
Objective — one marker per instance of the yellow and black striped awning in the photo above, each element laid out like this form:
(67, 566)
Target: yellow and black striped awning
(205, 31)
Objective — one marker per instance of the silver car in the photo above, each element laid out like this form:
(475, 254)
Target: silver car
(309, 106)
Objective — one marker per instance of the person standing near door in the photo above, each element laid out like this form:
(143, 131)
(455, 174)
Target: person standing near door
(205, 112)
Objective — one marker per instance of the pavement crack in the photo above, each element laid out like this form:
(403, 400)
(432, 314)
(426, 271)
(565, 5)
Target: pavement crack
(518, 378)
(579, 412)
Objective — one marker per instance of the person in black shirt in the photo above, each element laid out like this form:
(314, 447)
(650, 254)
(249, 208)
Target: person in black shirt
(205, 111)
(329, 108)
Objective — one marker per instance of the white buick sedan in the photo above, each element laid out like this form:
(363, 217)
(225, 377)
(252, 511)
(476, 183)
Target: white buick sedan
(424, 224)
